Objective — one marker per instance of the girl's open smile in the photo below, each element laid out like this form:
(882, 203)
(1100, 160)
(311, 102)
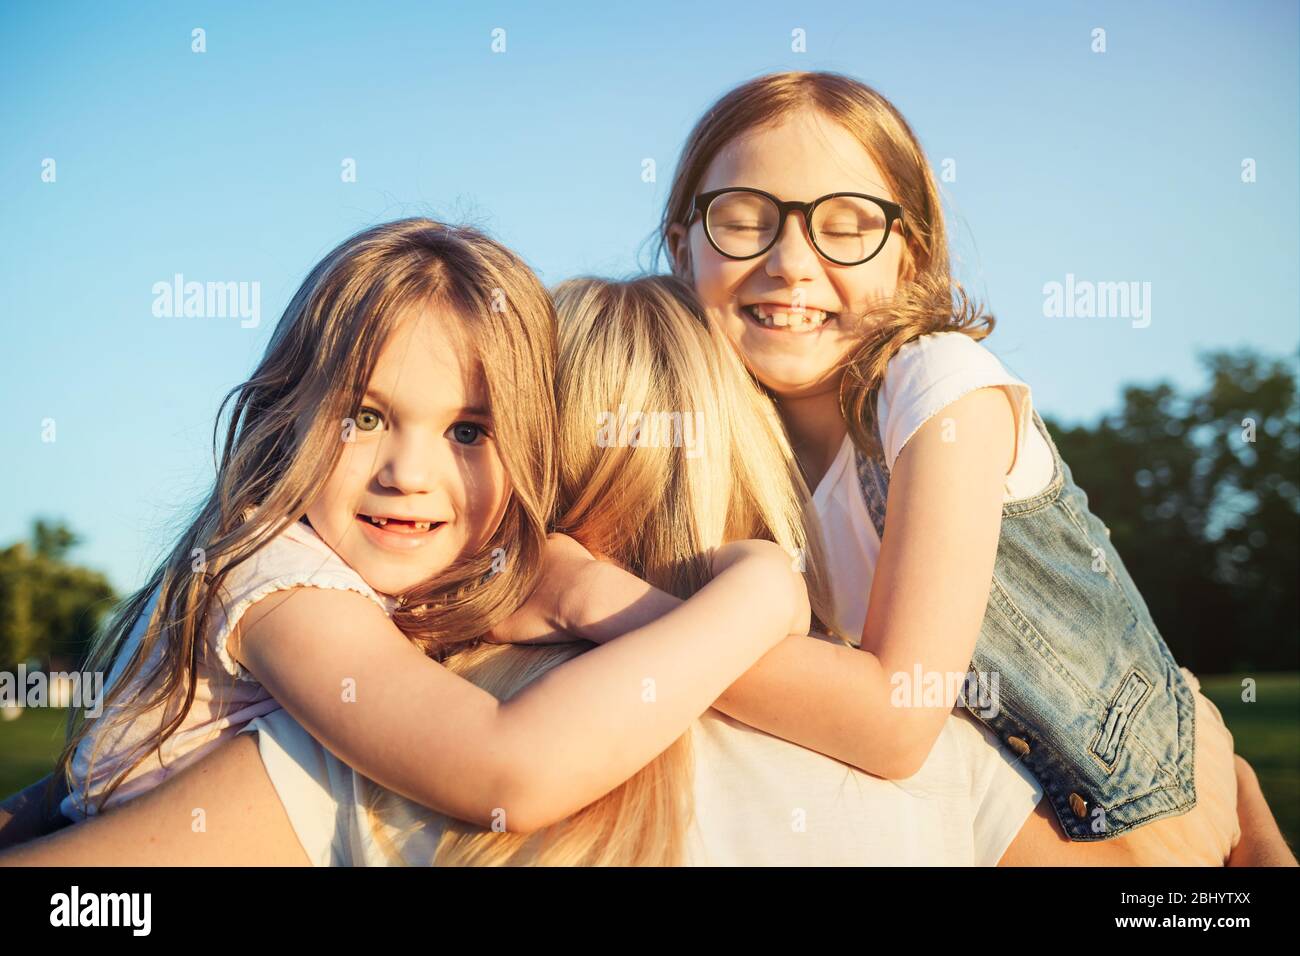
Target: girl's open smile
(398, 534)
(789, 319)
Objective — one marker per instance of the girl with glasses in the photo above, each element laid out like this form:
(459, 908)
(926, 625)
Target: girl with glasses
(805, 215)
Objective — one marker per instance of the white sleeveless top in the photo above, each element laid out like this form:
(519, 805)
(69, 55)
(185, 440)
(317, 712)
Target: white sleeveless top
(226, 696)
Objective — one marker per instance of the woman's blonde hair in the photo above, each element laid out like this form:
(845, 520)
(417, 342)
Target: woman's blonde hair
(283, 439)
(928, 298)
(656, 495)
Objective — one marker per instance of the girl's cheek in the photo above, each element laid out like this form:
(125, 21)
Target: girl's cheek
(489, 497)
(356, 465)
(343, 487)
(709, 275)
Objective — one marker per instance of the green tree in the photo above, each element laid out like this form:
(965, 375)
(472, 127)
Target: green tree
(49, 607)
(1202, 495)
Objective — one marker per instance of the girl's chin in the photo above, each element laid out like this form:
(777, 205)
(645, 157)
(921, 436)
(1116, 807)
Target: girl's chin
(392, 581)
(790, 366)
(788, 381)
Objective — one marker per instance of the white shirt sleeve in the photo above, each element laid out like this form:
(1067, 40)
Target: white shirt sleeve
(932, 372)
(340, 817)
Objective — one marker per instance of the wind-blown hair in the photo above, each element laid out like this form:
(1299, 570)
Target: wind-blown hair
(283, 439)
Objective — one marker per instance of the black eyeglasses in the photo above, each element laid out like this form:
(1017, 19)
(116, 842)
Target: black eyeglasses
(846, 228)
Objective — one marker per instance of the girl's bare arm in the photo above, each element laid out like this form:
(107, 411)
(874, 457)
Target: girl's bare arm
(942, 529)
(341, 667)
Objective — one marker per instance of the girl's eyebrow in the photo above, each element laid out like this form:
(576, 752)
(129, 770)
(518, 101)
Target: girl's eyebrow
(478, 410)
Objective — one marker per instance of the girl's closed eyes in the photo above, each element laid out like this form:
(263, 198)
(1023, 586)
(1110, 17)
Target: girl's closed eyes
(940, 476)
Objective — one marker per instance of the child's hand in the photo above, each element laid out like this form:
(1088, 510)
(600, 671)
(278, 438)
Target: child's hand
(541, 620)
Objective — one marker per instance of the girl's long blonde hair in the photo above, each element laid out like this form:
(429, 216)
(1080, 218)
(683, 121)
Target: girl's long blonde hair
(283, 439)
(657, 500)
(928, 298)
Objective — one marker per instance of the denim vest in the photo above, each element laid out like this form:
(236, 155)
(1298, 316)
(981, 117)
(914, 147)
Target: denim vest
(1087, 693)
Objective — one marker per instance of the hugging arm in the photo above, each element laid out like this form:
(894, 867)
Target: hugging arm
(233, 790)
(945, 502)
(340, 666)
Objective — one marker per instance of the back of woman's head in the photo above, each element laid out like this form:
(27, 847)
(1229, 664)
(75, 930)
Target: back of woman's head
(668, 448)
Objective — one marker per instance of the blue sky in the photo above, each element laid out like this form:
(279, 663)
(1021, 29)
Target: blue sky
(225, 166)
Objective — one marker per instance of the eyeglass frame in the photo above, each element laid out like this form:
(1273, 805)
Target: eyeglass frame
(700, 207)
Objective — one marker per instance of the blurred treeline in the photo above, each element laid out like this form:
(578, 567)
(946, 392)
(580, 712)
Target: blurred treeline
(1201, 493)
(50, 608)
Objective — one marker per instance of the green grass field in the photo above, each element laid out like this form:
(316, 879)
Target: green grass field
(29, 746)
(1266, 731)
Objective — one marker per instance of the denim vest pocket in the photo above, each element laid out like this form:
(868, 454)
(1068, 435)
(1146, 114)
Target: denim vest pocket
(1133, 692)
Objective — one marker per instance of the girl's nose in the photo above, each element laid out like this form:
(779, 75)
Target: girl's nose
(409, 466)
(793, 257)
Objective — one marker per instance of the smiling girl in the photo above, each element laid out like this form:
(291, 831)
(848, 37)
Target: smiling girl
(804, 213)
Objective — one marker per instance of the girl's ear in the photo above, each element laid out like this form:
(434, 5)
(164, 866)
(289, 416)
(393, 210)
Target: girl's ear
(679, 250)
(906, 265)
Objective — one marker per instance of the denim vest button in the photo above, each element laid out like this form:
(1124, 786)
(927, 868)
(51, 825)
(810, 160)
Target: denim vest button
(1018, 745)
(1079, 806)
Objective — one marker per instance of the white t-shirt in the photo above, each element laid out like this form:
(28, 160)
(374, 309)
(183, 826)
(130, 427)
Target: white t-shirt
(762, 801)
(927, 375)
(759, 801)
